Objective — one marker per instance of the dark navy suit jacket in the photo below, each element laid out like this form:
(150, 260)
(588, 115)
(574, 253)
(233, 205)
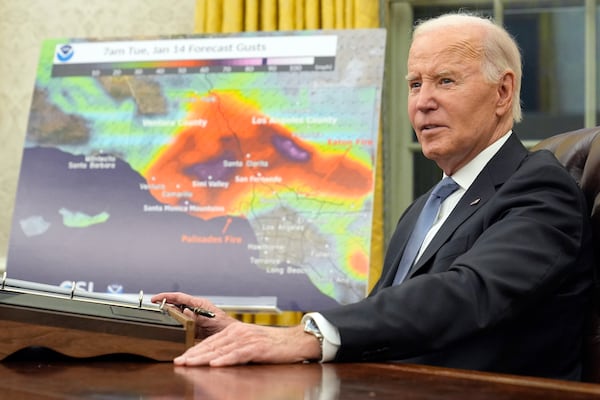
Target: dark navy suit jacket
(504, 285)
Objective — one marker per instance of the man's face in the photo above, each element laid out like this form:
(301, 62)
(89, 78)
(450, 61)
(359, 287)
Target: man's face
(452, 108)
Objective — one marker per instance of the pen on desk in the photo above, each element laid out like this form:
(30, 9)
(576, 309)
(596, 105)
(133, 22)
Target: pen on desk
(198, 311)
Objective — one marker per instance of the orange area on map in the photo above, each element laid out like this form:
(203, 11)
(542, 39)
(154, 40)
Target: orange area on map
(359, 262)
(229, 154)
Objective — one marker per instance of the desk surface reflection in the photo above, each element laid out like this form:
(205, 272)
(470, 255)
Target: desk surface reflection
(129, 379)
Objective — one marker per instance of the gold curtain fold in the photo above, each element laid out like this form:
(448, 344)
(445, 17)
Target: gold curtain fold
(214, 16)
(228, 16)
(232, 19)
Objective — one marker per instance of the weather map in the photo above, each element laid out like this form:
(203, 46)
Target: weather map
(222, 165)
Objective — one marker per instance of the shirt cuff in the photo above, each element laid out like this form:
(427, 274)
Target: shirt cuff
(331, 335)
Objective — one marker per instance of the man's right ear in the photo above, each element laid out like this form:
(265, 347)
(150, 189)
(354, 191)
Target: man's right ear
(506, 88)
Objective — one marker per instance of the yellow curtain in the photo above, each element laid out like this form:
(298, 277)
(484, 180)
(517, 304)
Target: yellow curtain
(230, 16)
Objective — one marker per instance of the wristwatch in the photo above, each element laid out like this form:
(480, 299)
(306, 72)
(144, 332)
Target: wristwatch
(310, 326)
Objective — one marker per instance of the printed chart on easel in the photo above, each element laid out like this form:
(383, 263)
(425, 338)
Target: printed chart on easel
(236, 167)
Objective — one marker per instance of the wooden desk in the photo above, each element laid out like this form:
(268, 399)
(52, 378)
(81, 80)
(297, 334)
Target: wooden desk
(127, 379)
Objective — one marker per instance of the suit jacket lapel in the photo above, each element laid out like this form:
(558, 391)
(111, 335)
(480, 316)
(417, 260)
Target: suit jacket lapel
(398, 242)
(462, 211)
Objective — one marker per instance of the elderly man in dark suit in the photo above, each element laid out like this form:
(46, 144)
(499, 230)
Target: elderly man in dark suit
(499, 280)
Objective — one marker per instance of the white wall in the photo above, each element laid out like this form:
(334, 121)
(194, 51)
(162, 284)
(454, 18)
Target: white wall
(24, 24)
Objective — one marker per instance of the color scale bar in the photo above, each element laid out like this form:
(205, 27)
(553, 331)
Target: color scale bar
(275, 64)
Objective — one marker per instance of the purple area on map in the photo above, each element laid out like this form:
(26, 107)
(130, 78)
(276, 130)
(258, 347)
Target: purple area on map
(290, 150)
(212, 170)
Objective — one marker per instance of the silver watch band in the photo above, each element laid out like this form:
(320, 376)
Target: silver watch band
(311, 327)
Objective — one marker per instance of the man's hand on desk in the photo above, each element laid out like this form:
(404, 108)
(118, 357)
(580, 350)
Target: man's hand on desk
(227, 341)
(241, 343)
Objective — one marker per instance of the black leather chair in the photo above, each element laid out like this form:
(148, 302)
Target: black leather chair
(579, 152)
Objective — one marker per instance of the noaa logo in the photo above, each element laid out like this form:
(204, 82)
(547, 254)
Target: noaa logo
(65, 53)
(114, 288)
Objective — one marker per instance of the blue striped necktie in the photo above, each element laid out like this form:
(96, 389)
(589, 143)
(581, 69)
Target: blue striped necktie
(443, 189)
